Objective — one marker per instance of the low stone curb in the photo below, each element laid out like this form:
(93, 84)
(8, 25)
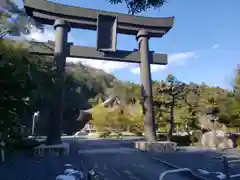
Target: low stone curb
(159, 146)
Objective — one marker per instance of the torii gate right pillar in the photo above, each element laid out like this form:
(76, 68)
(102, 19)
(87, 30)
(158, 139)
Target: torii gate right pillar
(146, 86)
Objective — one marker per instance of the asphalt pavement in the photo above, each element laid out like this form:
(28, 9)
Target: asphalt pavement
(118, 160)
(111, 159)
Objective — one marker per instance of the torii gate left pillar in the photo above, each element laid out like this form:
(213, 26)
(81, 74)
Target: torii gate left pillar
(60, 54)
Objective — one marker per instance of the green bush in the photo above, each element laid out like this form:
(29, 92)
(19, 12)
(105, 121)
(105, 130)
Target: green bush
(138, 133)
(196, 136)
(238, 142)
(162, 136)
(105, 134)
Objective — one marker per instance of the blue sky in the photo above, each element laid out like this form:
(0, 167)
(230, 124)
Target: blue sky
(203, 45)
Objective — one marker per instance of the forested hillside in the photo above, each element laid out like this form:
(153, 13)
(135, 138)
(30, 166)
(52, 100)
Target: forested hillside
(176, 104)
(26, 86)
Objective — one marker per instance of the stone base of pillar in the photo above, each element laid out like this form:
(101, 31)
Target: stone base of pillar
(54, 150)
(159, 146)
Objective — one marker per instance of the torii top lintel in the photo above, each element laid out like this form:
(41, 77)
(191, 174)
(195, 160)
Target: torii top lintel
(47, 12)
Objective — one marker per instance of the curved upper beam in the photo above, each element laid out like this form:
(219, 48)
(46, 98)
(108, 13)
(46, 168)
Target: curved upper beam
(47, 12)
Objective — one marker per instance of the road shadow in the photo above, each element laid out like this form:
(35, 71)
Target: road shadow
(23, 165)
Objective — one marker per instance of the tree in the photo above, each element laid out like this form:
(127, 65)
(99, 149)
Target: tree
(160, 102)
(16, 87)
(100, 118)
(118, 119)
(127, 92)
(134, 114)
(137, 6)
(14, 21)
(107, 119)
(235, 108)
(175, 90)
(192, 101)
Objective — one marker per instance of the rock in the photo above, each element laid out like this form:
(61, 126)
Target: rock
(221, 140)
(228, 144)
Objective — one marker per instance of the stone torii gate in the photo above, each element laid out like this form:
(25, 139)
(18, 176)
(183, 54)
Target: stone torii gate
(107, 24)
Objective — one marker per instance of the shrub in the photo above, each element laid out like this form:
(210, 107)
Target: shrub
(196, 136)
(238, 141)
(235, 139)
(162, 136)
(105, 134)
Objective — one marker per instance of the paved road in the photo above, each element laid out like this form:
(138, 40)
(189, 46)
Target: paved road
(112, 159)
(118, 160)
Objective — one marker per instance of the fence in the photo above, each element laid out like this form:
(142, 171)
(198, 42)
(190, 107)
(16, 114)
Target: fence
(179, 172)
(226, 164)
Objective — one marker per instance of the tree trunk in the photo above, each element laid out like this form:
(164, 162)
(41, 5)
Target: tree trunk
(171, 120)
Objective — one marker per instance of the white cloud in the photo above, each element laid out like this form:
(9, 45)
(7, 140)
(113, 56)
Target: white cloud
(107, 66)
(154, 68)
(136, 70)
(47, 35)
(37, 35)
(215, 46)
(178, 59)
(181, 58)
